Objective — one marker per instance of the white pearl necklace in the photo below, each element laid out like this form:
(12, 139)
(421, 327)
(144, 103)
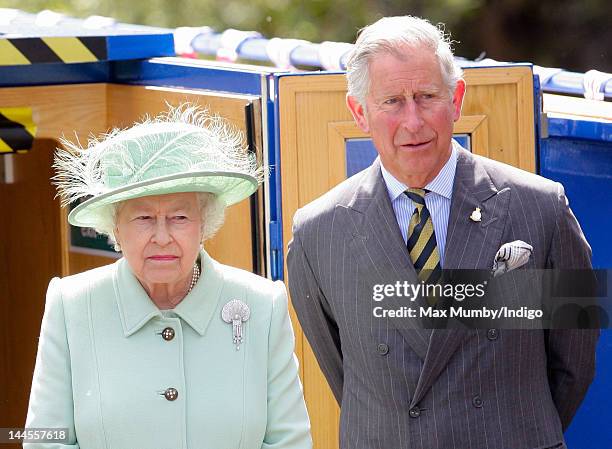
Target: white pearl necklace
(195, 276)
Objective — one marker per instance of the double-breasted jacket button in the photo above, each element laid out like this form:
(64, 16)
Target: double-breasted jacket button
(492, 334)
(168, 334)
(171, 394)
(477, 401)
(414, 412)
(382, 348)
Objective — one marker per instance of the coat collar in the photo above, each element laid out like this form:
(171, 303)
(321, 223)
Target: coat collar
(473, 188)
(136, 308)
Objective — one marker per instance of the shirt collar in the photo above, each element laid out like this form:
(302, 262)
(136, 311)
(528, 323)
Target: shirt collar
(197, 309)
(442, 184)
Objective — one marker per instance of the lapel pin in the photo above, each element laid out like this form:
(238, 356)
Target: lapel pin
(476, 215)
(236, 312)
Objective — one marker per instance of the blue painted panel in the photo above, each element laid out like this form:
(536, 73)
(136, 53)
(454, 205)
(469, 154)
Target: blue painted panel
(590, 428)
(175, 72)
(139, 46)
(580, 129)
(538, 103)
(465, 140)
(47, 74)
(276, 217)
(584, 167)
(360, 153)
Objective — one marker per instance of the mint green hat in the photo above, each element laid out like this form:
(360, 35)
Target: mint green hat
(183, 150)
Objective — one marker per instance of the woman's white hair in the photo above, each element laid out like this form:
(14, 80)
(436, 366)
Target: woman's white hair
(212, 216)
(388, 35)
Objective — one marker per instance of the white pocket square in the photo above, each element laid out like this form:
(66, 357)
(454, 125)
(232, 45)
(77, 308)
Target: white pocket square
(510, 256)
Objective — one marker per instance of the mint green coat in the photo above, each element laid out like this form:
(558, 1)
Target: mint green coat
(103, 367)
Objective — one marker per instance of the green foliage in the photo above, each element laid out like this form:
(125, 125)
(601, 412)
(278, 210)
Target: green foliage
(573, 34)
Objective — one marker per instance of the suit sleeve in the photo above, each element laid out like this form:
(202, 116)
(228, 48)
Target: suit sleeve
(288, 426)
(315, 315)
(51, 404)
(570, 352)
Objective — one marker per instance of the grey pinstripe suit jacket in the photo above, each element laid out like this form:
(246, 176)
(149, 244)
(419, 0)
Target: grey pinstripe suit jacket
(456, 388)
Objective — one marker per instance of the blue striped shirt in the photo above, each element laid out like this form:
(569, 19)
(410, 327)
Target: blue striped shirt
(437, 200)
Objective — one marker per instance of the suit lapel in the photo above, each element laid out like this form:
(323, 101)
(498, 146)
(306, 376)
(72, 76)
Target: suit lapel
(377, 245)
(469, 245)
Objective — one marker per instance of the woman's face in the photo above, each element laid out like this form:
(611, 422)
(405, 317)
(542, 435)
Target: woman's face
(160, 237)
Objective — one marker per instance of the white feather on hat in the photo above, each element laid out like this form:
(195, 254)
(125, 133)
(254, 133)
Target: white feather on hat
(182, 150)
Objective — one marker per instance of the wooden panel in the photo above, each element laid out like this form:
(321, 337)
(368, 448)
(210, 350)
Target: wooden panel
(307, 106)
(79, 262)
(82, 112)
(32, 231)
(5, 303)
(30, 251)
(61, 110)
(477, 126)
(314, 125)
(505, 96)
(337, 135)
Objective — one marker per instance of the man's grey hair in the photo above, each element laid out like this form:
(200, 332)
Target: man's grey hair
(388, 35)
(212, 214)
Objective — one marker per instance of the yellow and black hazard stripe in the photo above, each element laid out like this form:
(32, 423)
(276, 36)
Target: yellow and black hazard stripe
(17, 130)
(36, 50)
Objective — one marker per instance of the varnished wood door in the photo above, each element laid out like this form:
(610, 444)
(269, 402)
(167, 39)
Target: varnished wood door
(315, 125)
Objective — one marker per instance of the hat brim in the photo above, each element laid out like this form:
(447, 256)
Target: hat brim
(230, 187)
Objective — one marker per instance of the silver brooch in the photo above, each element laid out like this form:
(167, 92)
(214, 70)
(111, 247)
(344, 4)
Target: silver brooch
(236, 312)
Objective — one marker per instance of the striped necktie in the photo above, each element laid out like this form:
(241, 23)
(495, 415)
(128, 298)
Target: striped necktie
(422, 244)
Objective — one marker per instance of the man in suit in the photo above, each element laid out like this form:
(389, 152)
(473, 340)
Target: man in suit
(399, 384)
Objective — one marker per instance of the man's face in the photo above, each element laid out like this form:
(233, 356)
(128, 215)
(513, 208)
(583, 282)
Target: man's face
(409, 114)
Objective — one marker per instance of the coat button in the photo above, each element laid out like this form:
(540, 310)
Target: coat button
(477, 401)
(168, 334)
(492, 334)
(171, 394)
(414, 412)
(382, 348)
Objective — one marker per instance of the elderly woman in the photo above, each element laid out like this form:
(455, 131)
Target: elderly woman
(166, 348)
